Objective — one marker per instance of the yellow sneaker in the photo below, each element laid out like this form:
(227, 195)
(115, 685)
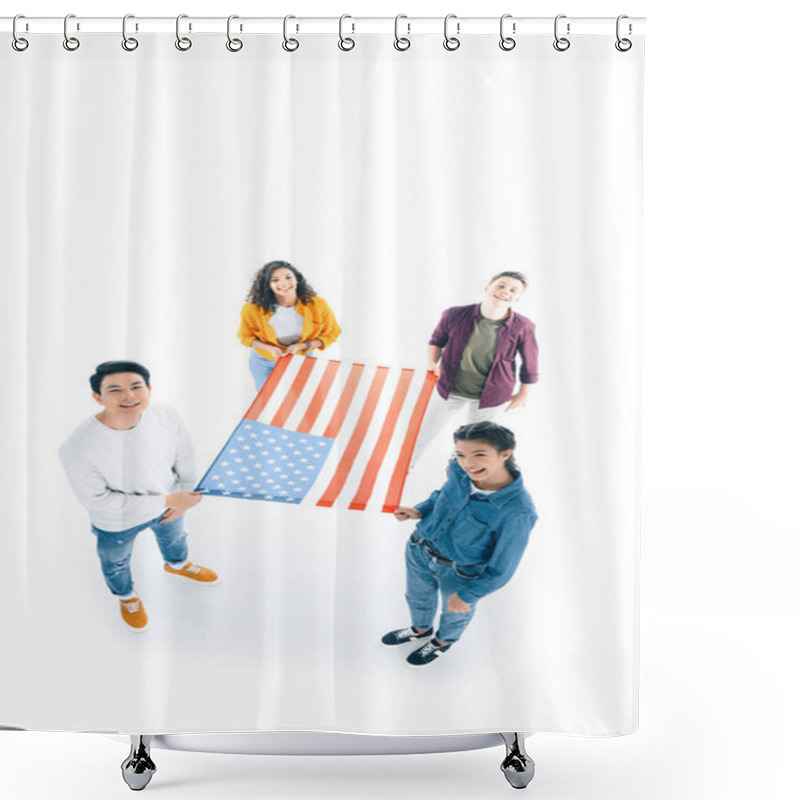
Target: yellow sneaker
(194, 572)
(134, 614)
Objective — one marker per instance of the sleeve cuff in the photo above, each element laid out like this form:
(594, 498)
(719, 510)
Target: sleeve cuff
(424, 508)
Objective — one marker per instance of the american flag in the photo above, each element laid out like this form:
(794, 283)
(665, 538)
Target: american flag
(325, 432)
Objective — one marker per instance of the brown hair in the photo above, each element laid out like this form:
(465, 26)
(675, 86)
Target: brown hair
(261, 294)
(517, 276)
(497, 436)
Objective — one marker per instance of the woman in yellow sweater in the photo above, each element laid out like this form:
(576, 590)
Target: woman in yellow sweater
(283, 315)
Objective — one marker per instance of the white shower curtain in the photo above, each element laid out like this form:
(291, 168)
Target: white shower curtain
(140, 193)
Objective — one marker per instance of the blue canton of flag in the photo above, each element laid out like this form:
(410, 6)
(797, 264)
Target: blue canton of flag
(261, 462)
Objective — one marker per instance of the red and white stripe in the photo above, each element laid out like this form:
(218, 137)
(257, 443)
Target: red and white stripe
(374, 413)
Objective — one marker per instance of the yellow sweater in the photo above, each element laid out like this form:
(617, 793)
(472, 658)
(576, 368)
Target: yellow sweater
(318, 323)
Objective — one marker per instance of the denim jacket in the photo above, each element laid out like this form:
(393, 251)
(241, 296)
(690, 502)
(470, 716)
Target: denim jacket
(484, 535)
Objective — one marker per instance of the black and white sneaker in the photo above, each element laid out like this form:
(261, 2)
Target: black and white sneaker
(403, 635)
(430, 651)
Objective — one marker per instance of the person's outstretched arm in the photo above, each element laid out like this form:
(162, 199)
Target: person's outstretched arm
(434, 357)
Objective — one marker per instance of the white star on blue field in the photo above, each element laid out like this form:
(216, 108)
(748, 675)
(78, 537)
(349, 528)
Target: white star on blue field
(261, 462)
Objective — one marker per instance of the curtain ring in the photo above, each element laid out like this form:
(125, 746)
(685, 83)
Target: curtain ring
(561, 43)
(623, 45)
(345, 42)
(506, 42)
(70, 42)
(183, 43)
(401, 42)
(451, 42)
(18, 42)
(129, 43)
(234, 45)
(289, 45)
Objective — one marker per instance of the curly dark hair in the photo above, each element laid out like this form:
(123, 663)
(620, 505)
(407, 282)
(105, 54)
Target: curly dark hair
(497, 436)
(261, 294)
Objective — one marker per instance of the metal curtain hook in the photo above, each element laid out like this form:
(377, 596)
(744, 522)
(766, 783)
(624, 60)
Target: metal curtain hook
(181, 42)
(18, 42)
(623, 45)
(290, 45)
(345, 42)
(129, 43)
(451, 42)
(401, 42)
(561, 43)
(506, 42)
(70, 42)
(234, 45)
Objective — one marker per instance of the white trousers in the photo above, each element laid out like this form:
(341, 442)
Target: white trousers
(453, 412)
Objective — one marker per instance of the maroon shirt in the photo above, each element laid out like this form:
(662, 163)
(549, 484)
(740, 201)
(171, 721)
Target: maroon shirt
(517, 335)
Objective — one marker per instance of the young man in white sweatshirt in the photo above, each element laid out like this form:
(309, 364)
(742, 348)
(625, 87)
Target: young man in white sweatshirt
(132, 467)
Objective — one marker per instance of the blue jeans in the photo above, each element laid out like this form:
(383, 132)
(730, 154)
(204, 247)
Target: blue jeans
(426, 578)
(260, 368)
(115, 548)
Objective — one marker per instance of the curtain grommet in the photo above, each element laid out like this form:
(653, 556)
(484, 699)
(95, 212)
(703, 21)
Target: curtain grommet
(70, 43)
(19, 43)
(289, 44)
(507, 43)
(561, 43)
(183, 43)
(129, 43)
(623, 44)
(401, 43)
(233, 44)
(346, 43)
(451, 43)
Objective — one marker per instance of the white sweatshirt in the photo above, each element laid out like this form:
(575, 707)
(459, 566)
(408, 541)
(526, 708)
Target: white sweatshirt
(123, 477)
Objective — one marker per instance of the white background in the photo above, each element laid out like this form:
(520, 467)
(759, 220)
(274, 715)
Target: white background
(720, 597)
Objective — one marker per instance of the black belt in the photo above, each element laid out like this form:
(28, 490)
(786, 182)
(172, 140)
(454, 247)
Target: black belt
(433, 554)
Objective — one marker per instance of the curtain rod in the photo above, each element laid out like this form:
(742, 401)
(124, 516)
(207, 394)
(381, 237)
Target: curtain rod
(325, 25)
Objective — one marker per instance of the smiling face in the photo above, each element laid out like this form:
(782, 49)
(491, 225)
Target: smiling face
(284, 286)
(485, 464)
(124, 396)
(503, 291)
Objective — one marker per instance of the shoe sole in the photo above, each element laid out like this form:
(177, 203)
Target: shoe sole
(143, 629)
(418, 666)
(193, 580)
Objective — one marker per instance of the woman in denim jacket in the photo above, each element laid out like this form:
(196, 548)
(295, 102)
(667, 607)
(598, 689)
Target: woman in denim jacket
(471, 537)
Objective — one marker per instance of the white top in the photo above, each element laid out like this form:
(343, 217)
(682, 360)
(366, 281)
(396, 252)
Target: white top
(288, 324)
(473, 489)
(123, 477)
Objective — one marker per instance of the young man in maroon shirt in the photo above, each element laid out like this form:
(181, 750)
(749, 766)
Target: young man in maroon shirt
(474, 351)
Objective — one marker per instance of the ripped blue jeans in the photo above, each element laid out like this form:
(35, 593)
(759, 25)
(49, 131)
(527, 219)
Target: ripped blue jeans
(426, 579)
(115, 549)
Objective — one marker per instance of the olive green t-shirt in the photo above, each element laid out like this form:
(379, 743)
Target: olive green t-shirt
(477, 358)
